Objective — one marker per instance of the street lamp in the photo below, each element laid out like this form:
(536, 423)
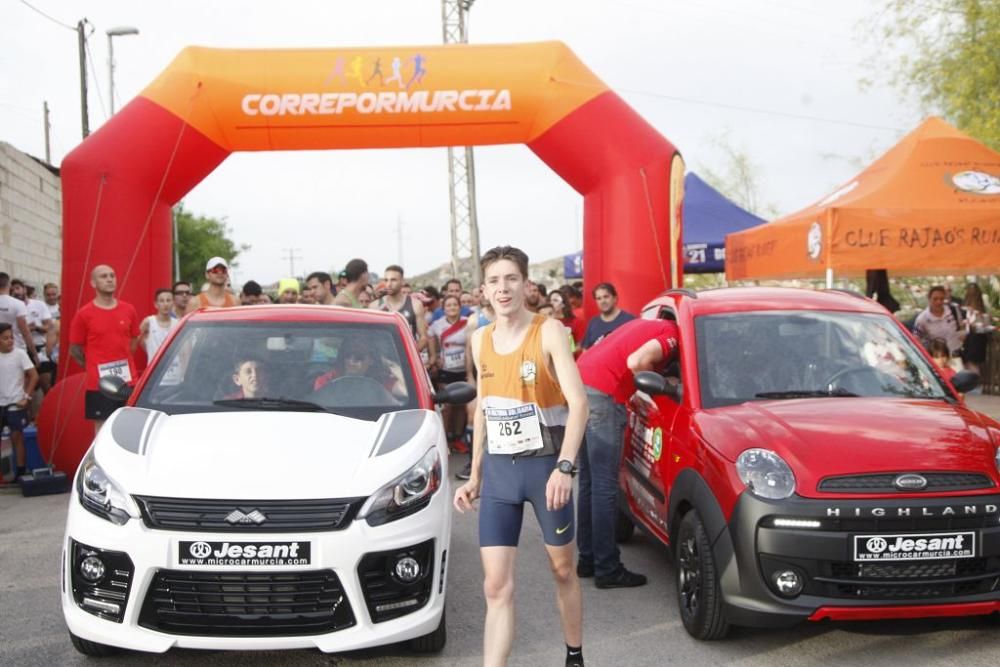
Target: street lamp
(115, 32)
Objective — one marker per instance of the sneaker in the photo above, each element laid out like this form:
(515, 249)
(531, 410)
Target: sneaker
(466, 472)
(458, 445)
(584, 570)
(574, 661)
(620, 578)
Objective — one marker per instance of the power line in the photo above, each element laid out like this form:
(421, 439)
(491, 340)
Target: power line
(54, 20)
(93, 71)
(771, 112)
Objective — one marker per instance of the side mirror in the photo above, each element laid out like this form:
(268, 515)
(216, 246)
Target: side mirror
(965, 381)
(114, 388)
(655, 384)
(456, 393)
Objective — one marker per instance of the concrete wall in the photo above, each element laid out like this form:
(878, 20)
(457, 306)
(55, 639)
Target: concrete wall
(30, 218)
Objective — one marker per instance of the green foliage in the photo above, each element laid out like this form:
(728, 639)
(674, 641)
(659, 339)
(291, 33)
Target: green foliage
(949, 57)
(739, 180)
(200, 238)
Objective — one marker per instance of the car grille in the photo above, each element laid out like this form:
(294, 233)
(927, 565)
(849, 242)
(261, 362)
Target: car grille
(883, 483)
(236, 604)
(278, 515)
(905, 581)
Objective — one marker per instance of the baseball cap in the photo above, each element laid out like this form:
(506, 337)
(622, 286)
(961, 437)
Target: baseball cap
(342, 274)
(214, 262)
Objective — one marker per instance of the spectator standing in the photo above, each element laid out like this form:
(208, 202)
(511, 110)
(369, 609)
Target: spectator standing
(155, 328)
(532, 296)
(15, 313)
(411, 308)
(18, 379)
(939, 320)
(182, 297)
(251, 293)
(288, 290)
(320, 284)
(569, 315)
(102, 336)
(607, 372)
(356, 273)
(978, 325)
(51, 294)
(216, 296)
(610, 318)
(451, 288)
(40, 323)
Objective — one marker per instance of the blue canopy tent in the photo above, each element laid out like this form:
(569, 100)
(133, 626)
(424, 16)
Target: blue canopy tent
(708, 217)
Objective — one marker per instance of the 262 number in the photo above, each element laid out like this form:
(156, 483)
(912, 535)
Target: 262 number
(510, 428)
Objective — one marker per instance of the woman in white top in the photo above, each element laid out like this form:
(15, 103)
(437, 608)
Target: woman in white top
(155, 328)
(450, 333)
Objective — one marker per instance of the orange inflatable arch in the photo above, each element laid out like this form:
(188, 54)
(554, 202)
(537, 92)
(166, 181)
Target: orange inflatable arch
(119, 184)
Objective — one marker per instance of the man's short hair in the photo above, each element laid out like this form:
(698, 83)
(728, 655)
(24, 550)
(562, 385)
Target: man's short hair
(936, 288)
(516, 255)
(432, 292)
(252, 288)
(452, 281)
(5, 326)
(48, 285)
(355, 269)
(17, 281)
(179, 283)
(542, 289)
(4, 280)
(321, 276)
(607, 287)
(395, 267)
(163, 290)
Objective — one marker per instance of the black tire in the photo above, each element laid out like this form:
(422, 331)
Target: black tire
(624, 528)
(699, 597)
(92, 649)
(435, 641)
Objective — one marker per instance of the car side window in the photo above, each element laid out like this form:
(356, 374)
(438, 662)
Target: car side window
(672, 369)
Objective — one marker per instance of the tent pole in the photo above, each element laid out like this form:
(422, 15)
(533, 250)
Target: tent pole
(829, 278)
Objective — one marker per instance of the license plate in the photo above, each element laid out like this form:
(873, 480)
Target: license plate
(915, 546)
(243, 553)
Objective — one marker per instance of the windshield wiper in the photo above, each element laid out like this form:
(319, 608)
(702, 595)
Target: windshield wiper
(268, 403)
(806, 393)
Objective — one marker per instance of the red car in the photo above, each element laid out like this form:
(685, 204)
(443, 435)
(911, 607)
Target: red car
(804, 459)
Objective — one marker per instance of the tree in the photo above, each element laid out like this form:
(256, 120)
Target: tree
(740, 180)
(200, 238)
(949, 57)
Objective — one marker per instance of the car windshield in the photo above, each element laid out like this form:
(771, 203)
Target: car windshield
(355, 371)
(781, 354)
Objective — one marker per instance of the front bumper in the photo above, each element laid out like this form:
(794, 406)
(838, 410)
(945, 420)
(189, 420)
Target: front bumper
(335, 558)
(752, 548)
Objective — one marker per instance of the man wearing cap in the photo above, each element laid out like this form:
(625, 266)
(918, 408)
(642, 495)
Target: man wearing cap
(216, 296)
(288, 290)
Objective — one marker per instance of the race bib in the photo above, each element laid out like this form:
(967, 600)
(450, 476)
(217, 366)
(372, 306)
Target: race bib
(513, 430)
(454, 359)
(117, 368)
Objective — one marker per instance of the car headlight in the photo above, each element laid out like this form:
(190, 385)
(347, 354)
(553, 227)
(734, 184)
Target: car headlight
(766, 474)
(98, 494)
(408, 493)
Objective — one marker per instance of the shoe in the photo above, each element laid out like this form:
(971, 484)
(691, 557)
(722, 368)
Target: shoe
(620, 578)
(466, 472)
(574, 661)
(458, 446)
(584, 570)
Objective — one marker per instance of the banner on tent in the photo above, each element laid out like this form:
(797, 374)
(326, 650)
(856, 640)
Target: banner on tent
(698, 258)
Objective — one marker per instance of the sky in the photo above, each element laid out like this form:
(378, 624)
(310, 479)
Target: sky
(779, 79)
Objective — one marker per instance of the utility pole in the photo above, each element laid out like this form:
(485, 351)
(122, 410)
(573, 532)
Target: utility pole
(81, 39)
(115, 32)
(48, 128)
(291, 255)
(461, 168)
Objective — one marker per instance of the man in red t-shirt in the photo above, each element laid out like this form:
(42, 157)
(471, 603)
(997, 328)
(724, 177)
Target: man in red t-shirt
(607, 371)
(102, 338)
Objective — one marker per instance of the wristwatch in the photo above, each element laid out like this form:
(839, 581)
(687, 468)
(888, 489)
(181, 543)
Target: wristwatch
(566, 467)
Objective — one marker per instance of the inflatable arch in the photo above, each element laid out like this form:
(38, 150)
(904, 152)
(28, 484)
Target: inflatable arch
(119, 184)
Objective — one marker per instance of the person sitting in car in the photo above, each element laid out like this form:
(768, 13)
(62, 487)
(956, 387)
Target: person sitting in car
(249, 376)
(356, 359)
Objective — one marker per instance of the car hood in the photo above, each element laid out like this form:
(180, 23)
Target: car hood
(261, 455)
(841, 436)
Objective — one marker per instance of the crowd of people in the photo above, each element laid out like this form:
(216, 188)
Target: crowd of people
(955, 331)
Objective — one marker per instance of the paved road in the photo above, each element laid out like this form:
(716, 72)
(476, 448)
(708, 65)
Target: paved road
(622, 628)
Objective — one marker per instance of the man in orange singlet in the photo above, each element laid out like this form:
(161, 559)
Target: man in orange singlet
(216, 296)
(531, 415)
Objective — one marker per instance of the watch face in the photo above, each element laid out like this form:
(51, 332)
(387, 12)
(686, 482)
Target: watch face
(565, 466)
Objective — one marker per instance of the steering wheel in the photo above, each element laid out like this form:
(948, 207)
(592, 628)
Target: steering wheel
(354, 391)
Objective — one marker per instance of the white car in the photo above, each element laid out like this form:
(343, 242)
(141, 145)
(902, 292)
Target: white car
(274, 482)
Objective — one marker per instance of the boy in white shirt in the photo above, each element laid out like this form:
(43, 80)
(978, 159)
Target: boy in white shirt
(18, 379)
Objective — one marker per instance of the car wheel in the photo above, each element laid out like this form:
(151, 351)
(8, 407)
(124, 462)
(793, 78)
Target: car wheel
(624, 528)
(699, 597)
(92, 649)
(433, 642)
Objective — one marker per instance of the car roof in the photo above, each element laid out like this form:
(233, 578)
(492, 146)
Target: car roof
(294, 313)
(741, 299)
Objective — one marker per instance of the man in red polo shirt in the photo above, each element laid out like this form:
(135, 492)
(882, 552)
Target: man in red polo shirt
(607, 371)
(102, 338)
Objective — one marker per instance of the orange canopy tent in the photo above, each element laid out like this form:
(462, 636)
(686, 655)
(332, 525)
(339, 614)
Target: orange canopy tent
(931, 204)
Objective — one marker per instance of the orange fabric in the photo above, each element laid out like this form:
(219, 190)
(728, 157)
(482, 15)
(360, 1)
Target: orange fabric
(931, 204)
(521, 375)
(372, 97)
(229, 302)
